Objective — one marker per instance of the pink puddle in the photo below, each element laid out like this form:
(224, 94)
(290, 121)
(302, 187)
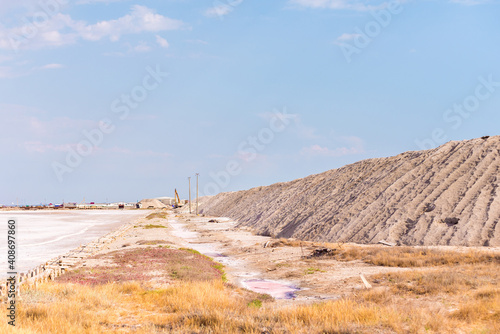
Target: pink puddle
(275, 289)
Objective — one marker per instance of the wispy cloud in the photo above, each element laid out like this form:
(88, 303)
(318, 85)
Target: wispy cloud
(61, 29)
(142, 47)
(219, 10)
(41, 147)
(197, 41)
(85, 2)
(128, 152)
(44, 147)
(351, 146)
(470, 2)
(162, 42)
(141, 19)
(51, 66)
(4, 59)
(347, 37)
(337, 4)
(7, 72)
(26, 124)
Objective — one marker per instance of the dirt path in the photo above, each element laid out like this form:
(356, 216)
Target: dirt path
(279, 269)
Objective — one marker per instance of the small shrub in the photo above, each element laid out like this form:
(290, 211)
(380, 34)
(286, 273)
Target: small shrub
(150, 226)
(255, 303)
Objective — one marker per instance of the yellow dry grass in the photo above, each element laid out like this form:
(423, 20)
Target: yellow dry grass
(458, 298)
(413, 257)
(157, 215)
(204, 307)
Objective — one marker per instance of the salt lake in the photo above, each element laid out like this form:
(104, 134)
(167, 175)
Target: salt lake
(43, 235)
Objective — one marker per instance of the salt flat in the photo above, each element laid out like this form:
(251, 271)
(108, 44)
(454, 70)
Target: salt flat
(43, 235)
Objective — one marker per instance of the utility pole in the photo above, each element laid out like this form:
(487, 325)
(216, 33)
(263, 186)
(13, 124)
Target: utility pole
(189, 178)
(197, 175)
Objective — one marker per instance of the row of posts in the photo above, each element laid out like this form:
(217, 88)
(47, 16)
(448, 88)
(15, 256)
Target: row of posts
(31, 279)
(197, 193)
(54, 268)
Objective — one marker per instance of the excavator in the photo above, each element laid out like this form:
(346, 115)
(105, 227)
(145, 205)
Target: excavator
(178, 203)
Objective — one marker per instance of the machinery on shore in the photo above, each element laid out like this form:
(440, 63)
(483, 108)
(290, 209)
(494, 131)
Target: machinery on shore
(178, 203)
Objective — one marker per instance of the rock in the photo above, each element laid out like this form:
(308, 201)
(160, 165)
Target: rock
(321, 252)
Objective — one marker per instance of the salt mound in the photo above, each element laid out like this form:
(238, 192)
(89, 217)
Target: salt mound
(152, 203)
(443, 196)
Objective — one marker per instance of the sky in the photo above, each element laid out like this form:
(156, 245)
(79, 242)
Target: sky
(110, 100)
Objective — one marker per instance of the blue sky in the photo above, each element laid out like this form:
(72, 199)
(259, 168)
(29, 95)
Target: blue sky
(123, 100)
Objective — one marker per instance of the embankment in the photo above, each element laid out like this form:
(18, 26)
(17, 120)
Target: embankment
(443, 196)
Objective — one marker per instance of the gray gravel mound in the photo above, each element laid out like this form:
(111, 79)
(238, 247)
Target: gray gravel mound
(443, 196)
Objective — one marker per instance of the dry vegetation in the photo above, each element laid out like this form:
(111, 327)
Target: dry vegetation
(157, 214)
(143, 264)
(410, 256)
(151, 242)
(451, 293)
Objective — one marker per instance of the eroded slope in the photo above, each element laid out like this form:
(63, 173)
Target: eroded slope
(414, 198)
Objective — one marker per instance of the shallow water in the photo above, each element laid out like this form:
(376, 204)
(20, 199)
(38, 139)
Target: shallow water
(249, 280)
(278, 290)
(44, 235)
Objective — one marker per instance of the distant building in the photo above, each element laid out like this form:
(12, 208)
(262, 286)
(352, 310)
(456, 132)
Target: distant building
(69, 205)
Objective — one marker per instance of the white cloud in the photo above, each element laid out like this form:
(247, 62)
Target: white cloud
(342, 39)
(41, 147)
(470, 2)
(337, 4)
(5, 58)
(197, 41)
(61, 29)
(317, 150)
(85, 2)
(353, 145)
(7, 72)
(162, 42)
(27, 124)
(51, 66)
(142, 47)
(58, 30)
(219, 10)
(11, 72)
(141, 19)
(146, 153)
(347, 37)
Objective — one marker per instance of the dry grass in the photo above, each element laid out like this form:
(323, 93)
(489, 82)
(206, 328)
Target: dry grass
(403, 257)
(457, 298)
(164, 264)
(445, 298)
(152, 242)
(150, 226)
(411, 257)
(201, 307)
(159, 215)
(215, 307)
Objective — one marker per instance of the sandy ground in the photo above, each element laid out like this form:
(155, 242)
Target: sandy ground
(278, 271)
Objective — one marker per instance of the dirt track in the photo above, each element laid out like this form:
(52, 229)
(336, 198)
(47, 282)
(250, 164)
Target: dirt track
(246, 259)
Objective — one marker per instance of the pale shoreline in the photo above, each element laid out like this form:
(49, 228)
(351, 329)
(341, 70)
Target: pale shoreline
(83, 250)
